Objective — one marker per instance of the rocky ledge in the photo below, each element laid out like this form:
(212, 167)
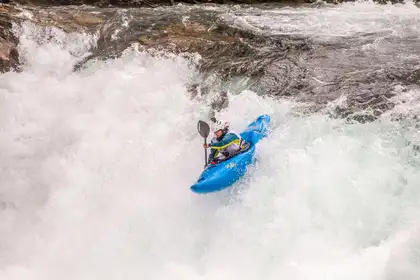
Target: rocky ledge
(9, 57)
(286, 66)
(11, 16)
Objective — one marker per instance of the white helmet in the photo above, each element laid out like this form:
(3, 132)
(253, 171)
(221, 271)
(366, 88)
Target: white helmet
(220, 124)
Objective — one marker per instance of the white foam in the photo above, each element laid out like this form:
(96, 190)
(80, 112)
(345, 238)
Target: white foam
(96, 165)
(345, 19)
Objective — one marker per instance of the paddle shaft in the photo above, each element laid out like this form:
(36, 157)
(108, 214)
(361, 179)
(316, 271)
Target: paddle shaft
(205, 153)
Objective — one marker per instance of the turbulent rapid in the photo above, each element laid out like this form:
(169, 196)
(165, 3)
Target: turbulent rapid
(96, 162)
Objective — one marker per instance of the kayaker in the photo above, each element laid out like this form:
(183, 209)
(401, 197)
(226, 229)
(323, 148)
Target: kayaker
(224, 144)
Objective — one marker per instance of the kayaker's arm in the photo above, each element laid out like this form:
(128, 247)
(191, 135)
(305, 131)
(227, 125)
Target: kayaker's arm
(212, 155)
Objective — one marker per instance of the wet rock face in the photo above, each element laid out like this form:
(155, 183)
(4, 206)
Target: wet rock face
(98, 3)
(155, 3)
(69, 20)
(163, 31)
(9, 56)
(284, 66)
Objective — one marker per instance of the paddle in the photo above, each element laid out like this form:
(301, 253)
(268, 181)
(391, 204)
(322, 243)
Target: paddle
(204, 130)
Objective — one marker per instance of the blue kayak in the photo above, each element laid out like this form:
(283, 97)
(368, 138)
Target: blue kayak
(219, 176)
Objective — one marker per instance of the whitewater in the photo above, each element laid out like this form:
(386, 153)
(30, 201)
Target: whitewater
(95, 169)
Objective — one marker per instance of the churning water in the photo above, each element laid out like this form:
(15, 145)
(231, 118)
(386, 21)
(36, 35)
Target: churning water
(95, 169)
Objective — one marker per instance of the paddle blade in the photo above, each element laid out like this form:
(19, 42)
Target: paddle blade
(203, 129)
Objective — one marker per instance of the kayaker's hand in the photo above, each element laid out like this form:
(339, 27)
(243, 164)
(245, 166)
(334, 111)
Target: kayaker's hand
(206, 146)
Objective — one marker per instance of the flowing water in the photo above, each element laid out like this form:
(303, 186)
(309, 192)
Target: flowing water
(96, 165)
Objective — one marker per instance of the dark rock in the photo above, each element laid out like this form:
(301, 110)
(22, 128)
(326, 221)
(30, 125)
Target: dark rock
(9, 56)
(154, 3)
(285, 66)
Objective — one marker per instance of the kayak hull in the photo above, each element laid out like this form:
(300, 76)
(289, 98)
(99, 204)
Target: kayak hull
(222, 175)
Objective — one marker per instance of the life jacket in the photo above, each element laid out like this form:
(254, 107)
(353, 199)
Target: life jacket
(229, 144)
